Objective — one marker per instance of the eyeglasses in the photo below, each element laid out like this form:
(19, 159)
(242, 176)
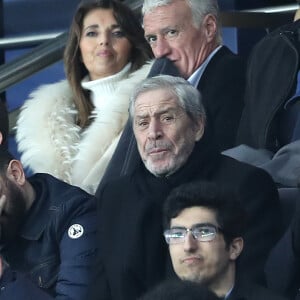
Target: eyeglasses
(204, 232)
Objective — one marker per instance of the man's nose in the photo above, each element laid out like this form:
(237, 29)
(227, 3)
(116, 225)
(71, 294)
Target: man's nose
(154, 130)
(190, 243)
(161, 48)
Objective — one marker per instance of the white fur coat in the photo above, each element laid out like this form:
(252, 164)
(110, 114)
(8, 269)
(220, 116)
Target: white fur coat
(51, 142)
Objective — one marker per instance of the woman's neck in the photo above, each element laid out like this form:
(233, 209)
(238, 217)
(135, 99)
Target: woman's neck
(104, 87)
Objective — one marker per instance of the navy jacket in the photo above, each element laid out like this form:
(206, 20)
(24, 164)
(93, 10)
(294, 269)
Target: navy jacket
(56, 245)
(249, 291)
(282, 267)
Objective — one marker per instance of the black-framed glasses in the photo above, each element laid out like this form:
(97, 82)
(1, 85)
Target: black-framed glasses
(204, 232)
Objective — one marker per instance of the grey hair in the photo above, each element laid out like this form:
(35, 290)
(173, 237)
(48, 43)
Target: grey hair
(199, 9)
(188, 97)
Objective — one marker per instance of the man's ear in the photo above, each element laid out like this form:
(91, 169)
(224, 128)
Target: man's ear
(15, 172)
(199, 129)
(1, 138)
(210, 27)
(235, 248)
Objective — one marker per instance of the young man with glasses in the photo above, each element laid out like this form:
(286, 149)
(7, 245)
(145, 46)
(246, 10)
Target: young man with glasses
(204, 230)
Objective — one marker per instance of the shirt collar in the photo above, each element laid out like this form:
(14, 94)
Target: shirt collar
(195, 77)
(228, 293)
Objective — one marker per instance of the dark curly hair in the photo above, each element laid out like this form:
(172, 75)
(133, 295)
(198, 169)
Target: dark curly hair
(230, 214)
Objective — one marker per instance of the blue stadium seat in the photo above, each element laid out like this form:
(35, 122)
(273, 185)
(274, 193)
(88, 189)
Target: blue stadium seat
(282, 268)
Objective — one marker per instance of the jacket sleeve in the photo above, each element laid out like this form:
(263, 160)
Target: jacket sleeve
(222, 87)
(14, 286)
(78, 253)
(99, 288)
(259, 194)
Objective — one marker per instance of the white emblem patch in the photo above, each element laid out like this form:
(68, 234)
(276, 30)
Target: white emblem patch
(75, 231)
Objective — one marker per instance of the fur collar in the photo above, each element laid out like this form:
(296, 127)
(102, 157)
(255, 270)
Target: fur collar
(51, 142)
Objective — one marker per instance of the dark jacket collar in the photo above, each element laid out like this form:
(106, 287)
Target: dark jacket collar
(37, 217)
(201, 164)
(239, 291)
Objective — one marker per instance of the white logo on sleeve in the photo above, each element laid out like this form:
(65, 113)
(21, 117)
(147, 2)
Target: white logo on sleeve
(75, 231)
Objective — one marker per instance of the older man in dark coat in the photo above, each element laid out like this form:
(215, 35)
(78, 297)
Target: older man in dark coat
(169, 125)
(188, 35)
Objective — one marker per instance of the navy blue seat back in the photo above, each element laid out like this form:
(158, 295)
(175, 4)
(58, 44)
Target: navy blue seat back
(282, 267)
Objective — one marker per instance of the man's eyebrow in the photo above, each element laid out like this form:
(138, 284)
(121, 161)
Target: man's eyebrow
(141, 116)
(158, 112)
(147, 36)
(177, 227)
(168, 28)
(204, 224)
(160, 31)
(166, 110)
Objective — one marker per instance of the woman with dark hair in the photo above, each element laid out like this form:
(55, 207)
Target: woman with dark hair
(70, 129)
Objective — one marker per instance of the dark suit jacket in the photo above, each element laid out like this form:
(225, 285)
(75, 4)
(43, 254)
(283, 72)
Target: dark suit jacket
(222, 87)
(248, 291)
(272, 71)
(134, 257)
(282, 267)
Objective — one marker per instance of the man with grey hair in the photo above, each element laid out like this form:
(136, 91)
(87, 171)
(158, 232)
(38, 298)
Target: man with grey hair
(188, 34)
(169, 126)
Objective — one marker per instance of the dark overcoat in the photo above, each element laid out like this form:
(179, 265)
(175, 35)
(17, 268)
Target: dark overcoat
(222, 88)
(134, 256)
(248, 291)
